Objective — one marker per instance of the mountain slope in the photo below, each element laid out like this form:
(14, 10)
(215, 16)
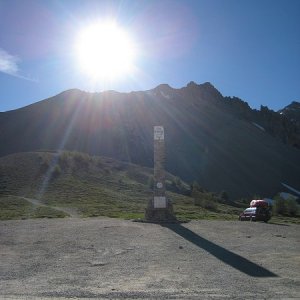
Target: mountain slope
(219, 142)
(56, 184)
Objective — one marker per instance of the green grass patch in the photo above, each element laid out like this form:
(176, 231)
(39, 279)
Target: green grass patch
(99, 186)
(15, 208)
(284, 220)
(47, 212)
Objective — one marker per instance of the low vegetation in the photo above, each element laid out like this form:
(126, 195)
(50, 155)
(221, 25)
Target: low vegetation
(14, 208)
(98, 186)
(285, 207)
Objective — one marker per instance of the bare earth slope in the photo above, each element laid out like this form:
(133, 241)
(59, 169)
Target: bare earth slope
(115, 259)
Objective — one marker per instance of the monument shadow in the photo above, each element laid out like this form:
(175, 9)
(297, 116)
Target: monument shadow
(234, 260)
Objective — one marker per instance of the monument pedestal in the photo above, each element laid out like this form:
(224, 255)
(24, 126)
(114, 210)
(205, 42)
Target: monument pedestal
(159, 215)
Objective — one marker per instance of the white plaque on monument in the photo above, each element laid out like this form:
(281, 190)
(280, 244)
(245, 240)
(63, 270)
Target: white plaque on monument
(160, 202)
(159, 133)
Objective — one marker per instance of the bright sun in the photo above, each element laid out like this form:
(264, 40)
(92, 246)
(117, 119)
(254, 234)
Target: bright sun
(105, 51)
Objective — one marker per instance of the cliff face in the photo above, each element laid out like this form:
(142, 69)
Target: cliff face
(284, 124)
(218, 141)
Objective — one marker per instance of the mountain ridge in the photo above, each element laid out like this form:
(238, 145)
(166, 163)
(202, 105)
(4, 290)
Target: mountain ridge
(210, 138)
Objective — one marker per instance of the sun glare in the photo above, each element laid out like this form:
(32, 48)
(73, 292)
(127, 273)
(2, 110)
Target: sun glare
(105, 51)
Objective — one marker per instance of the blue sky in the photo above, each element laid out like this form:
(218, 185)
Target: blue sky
(245, 48)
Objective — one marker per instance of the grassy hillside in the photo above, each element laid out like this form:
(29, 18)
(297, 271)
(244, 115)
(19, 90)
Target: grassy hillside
(93, 186)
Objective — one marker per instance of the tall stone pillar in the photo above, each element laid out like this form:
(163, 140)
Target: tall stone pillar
(159, 208)
(159, 168)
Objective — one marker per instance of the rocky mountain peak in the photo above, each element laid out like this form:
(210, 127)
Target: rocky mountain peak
(205, 85)
(292, 112)
(294, 105)
(164, 87)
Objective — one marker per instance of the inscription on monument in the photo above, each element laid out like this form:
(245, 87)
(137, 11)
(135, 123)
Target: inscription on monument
(160, 202)
(159, 133)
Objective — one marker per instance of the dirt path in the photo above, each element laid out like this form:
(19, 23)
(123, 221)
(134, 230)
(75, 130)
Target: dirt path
(102, 258)
(72, 212)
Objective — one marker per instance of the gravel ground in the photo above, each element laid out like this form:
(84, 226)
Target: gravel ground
(99, 258)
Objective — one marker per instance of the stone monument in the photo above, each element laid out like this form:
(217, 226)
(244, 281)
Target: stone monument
(159, 208)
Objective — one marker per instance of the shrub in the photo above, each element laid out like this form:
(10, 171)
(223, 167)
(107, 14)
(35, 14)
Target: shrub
(224, 196)
(63, 159)
(205, 200)
(279, 206)
(291, 207)
(106, 171)
(196, 189)
(285, 207)
(81, 159)
(176, 182)
(99, 163)
(210, 204)
(206, 203)
(56, 171)
(44, 167)
(245, 200)
(177, 186)
(136, 175)
(150, 182)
